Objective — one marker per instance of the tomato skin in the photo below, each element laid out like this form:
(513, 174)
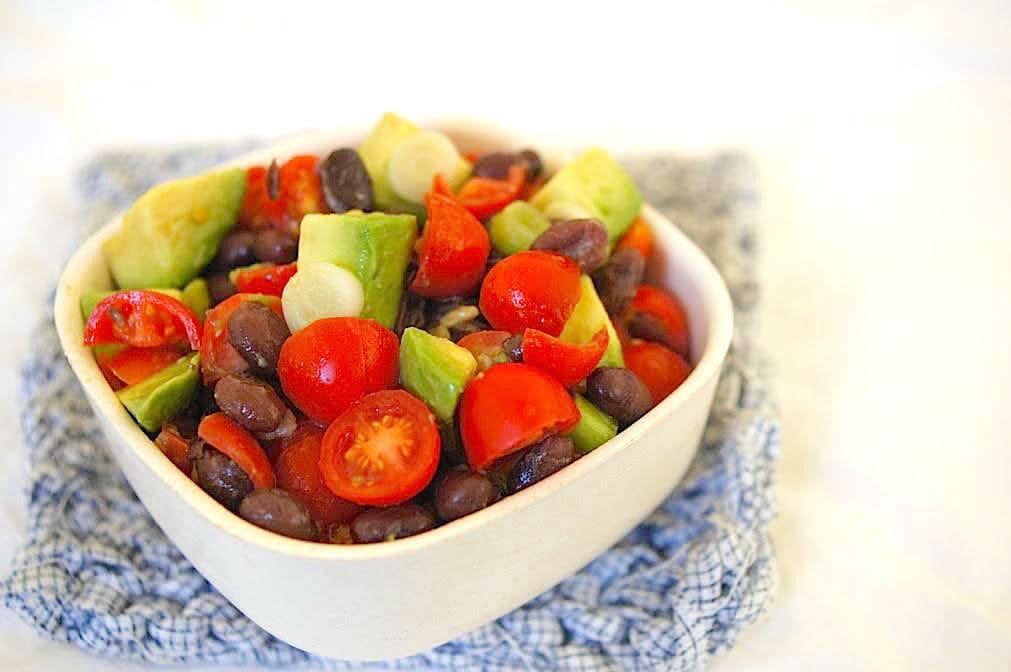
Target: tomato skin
(333, 362)
(509, 407)
(531, 289)
(146, 319)
(401, 430)
(638, 237)
(452, 251)
(217, 356)
(658, 367)
(667, 309)
(298, 474)
(258, 210)
(175, 447)
(267, 279)
(132, 365)
(228, 437)
(300, 192)
(568, 363)
(484, 196)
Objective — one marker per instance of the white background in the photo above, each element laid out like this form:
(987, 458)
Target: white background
(882, 136)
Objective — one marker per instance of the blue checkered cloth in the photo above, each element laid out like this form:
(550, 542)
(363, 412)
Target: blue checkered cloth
(96, 571)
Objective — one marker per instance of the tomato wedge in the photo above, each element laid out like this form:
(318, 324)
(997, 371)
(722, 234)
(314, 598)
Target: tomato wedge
(175, 447)
(638, 237)
(217, 356)
(568, 363)
(509, 407)
(382, 450)
(299, 475)
(658, 367)
(142, 318)
(484, 196)
(300, 192)
(267, 279)
(227, 436)
(258, 209)
(452, 252)
(531, 289)
(486, 346)
(665, 308)
(132, 365)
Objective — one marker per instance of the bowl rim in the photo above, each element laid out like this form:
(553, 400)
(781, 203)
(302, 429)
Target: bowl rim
(715, 301)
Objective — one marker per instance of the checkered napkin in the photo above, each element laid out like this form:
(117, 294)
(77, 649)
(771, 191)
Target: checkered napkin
(96, 570)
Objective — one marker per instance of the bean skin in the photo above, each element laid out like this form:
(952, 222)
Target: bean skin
(250, 402)
(649, 328)
(257, 333)
(275, 510)
(220, 477)
(541, 460)
(236, 249)
(582, 240)
(275, 246)
(495, 165)
(617, 280)
(534, 164)
(346, 182)
(462, 492)
(394, 522)
(619, 393)
(219, 287)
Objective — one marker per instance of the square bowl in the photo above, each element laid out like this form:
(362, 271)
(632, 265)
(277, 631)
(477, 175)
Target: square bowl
(380, 601)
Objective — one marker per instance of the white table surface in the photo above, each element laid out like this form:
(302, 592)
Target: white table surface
(883, 139)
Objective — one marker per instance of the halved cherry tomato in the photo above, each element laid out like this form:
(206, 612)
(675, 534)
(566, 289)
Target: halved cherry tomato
(217, 356)
(132, 365)
(264, 278)
(142, 318)
(175, 447)
(333, 362)
(299, 193)
(382, 450)
(568, 363)
(485, 196)
(440, 185)
(298, 474)
(227, 436)
(660, 368)
(665, 308)
(638, 237)
(486, 346)
(258, 210)
(509, 407)
(531, 289)
(452, 252)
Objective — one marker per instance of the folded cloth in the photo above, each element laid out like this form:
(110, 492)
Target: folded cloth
(96, 571)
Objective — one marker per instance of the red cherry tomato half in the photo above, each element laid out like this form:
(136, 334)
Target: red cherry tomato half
(568, 363)
(217, 356)
(333, 362)
(452, 252)
(299, 193)
(175, 447)
(484, 196)
(509, 407)
(665, 308)
(298, 474)
(258, 210)
(658, 367)
(264, 278)
(132, 365)
(440, 185)
(532, 289)
(486, 346)
(143, 319)
(227, 436)
(382, 450)
(638, 237)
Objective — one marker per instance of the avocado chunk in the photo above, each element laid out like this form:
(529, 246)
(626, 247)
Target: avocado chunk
(197, 297)
(595, 185)
(375, 247)
(194, 295)
(174, 229)
(161, 396)
(375, 152)
(586, 320)
(435, 370)
(594, 428)
(515, 228)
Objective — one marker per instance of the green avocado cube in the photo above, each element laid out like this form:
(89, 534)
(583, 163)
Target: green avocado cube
(173, 230)
(594, 428)
(435, 370)
(594, 184)
(197, 297)
(586, 320)
(515, 228)
(162, 395)
(376, 247)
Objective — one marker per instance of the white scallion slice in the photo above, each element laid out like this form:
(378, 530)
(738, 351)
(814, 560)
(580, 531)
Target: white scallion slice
(321, 289)
(562, 210)
(417, 160)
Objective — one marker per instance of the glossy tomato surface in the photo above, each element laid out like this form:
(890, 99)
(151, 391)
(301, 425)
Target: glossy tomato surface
(228, 437)
(568, 363)
(664, 307)
(532, 289)
(452, 251)
(298, 474)
(661, 369)
(218, 358)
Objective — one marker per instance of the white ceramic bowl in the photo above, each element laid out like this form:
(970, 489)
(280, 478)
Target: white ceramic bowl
(394, 599)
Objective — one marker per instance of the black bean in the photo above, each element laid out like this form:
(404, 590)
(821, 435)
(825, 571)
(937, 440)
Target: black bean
(284, 429)
(495, 165)
(250, 402)
(534, 164)
(513, 347)
(236, 249)
(452, 446)
(220, 477)
(219, 287)
(275, 246)
(346, 183)
(277, 511)
(649, 328)
(541, 460)
(617, 280)
(619, 393)
(462, 491)
(582, 240)
(257, 333)
(393, 522)
(273, 181)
